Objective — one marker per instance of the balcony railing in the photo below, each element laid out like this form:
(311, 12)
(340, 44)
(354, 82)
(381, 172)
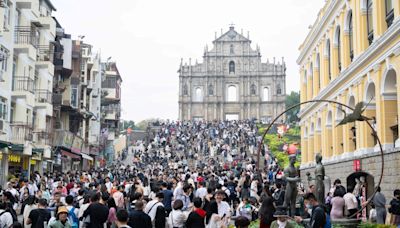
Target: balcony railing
(43, 96)
(21, 132)
(43, 137)
(26, 35)
(45, 52)
(23, 83)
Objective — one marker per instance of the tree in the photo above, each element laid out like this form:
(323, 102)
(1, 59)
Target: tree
(292, 99)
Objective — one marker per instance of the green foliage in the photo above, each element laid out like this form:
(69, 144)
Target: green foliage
(374, 225)
(292, 99)
(274, 143)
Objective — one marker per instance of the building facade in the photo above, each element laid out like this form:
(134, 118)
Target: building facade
(110, 109)
(231, 83)
(351, 55)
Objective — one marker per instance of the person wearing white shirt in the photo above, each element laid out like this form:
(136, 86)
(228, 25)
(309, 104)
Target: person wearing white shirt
(201, 192)
(6, 219)
(350, 202)
(224, 210)
(108, 184)
(151, 207)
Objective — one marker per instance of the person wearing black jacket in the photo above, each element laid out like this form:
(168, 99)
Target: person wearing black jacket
(196, 217)
(138, 218)
(98, 212)
(318, 218)
(394, 208)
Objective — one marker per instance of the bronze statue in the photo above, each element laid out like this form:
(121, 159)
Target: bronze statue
(356, 115)
(291, 177)
(319, 179)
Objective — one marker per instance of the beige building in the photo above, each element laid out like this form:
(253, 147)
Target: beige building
(231, 82)
(351, 55)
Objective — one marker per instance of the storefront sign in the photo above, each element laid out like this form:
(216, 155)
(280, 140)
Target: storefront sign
(77, 144)
(14, 158)
(356, 165)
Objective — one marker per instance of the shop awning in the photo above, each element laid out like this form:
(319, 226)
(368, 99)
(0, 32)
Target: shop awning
(4, 144)
(87, 157)
(69, 154)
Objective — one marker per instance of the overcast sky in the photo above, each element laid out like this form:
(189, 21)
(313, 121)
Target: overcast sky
(147, 39)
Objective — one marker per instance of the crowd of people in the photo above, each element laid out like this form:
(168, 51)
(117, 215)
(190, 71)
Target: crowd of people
(190, 174)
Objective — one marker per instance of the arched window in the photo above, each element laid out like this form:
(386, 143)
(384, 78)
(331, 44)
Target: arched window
(198, 94)
(311, 78)
(328, 54)
(389, 12)
(265, 94)
(278, 89)
(232, 93)
(231, 67)
(370, 23)
(232, 51)
(337, 42)
(350, 25)
(317, 61)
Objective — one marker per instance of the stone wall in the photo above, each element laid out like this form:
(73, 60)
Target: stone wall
(370, 164)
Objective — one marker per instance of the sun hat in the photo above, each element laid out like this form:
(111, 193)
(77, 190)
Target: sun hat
(62, 210)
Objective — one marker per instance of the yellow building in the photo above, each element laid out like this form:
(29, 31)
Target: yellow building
(351, 55)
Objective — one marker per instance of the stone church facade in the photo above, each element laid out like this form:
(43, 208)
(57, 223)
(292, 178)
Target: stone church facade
(231, 83)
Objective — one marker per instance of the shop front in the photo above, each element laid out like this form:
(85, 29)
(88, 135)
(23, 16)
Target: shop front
(68, 148)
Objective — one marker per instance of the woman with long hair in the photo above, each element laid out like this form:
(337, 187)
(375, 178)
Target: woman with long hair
(266, 212)
(112, 213)
(212, 217)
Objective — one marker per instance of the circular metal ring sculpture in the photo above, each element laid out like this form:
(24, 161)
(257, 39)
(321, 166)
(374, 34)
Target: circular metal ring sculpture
(374, 133)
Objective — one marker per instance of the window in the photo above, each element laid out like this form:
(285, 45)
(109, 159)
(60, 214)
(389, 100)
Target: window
(232, 93)
(328, 53)
(370, 26)
(231, 67)
(389, 12)
(265, 94)
(3, 58)
(339, 51)
(279, 89)
(3, 109)
(109, 82)
(319, 70)
(198, 95)
(351, 48)
(74, 96)
(232, 51)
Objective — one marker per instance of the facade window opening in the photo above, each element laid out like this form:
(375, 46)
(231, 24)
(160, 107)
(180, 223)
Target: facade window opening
(319, 71)
(338, 47)
(198, 95)
(351, 48)
(389, 12)
(185, 90)
(328, 53)
(232, 93)
(231, 67)
(266, 94)
(370, 25)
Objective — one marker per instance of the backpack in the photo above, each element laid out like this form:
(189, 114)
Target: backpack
(14, 216)
(277, 195)
(232, 190)
(73, 219)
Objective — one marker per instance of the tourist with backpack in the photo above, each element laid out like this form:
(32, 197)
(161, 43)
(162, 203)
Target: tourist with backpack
(6, 219)
(73, 212)
(319, 218)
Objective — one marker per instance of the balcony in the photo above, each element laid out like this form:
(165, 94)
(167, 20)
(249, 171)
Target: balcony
(21, 132)
(68, 140)
(42, 138)
(26, 40)
(44, 59)
(23, 84)
(43, 99)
